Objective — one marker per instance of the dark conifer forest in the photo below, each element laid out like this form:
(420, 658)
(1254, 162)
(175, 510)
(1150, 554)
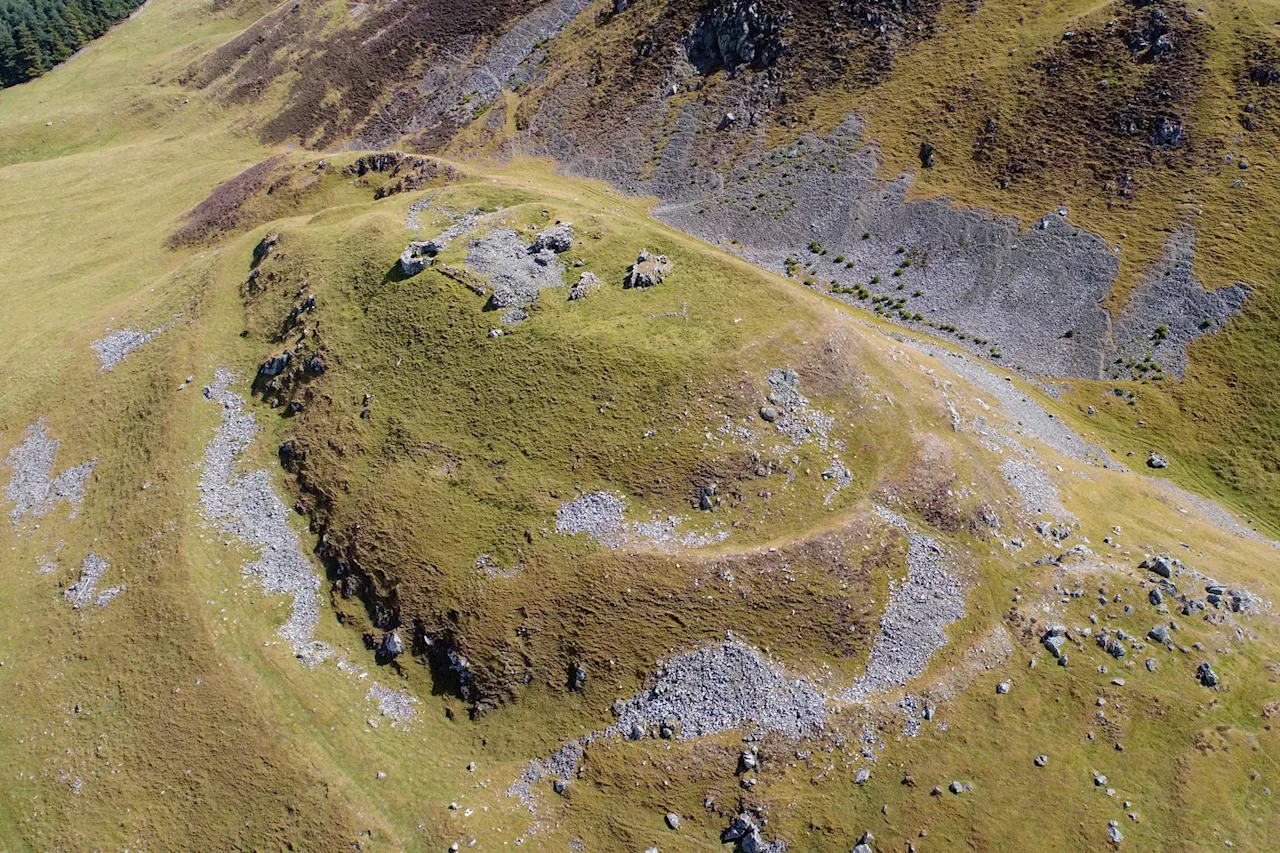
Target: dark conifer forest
(36, 35)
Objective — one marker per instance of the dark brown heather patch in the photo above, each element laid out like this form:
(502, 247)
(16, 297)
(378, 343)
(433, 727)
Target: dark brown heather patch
(224, 210)
(340, 78)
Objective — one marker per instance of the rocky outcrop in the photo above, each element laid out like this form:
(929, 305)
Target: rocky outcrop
(648, 270)
(586, 285)
(736, 33)
(418, 255)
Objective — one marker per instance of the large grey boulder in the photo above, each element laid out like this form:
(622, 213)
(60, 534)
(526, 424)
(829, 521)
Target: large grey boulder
(418, 255)
(558, 239)
(648, 270)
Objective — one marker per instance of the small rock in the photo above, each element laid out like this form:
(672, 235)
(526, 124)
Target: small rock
(768, 413)
(1113, 832)
(1003, 687)
(955, 787)
(1155, 460)
(927, 152)
(864, 775)
(1042, 760)
(673, 820)
(1207, 676)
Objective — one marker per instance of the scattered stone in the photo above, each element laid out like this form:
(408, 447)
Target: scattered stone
(81, 593)
(32, 490)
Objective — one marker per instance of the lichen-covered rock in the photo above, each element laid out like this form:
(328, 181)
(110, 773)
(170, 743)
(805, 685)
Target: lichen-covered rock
(418, 255)
(648, 270)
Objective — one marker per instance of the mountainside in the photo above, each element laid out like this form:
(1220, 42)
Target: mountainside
(643, 425)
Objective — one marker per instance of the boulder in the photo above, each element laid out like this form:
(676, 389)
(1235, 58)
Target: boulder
(1207, 676)
(557, 239)
(392, 645)
(1161, 565)
(739, 828)
(1159, 634)
(673, 820)
(418, 255)
(275, 366)
(586, 285)
(648, 270)
(1155, 460)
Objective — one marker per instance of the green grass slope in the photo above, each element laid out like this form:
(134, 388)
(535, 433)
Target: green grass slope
(175, 719)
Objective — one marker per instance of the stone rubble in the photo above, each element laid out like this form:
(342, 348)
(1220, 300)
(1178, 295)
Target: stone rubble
(913, 625)
(118, 345)
(400, 705)
(600, 515)
(32, 489)
(81, 593)
(247, 508)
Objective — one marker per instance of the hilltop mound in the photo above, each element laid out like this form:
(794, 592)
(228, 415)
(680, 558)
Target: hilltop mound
(371, 485)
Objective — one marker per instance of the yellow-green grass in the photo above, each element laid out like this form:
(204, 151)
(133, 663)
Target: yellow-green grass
(264, 753)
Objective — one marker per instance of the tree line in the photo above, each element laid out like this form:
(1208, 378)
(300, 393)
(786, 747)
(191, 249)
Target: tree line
(36, 35)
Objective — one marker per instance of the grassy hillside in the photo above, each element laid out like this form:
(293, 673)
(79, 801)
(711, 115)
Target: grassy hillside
(175, 718)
